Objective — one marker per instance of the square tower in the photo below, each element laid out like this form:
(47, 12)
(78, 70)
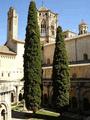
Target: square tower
(12, 24)
(47, 21)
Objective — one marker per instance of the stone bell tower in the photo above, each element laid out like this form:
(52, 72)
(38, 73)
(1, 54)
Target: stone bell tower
(47, 21)
(83, 28)
(12, 24)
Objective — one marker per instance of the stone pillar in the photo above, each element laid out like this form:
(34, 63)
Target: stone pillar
(8, 111)
(24, 107)
(17, 94)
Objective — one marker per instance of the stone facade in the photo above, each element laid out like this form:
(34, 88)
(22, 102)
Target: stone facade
(47, 21)
(77, 46)
(5, 100)
(11, 67)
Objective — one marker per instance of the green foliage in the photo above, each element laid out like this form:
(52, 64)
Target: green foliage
(32, 60)
(60, 76)
(48, 113)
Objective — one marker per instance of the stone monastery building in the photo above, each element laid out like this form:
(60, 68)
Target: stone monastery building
(11, 61)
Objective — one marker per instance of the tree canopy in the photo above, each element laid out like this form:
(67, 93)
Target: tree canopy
(32, 60)
(60, 76)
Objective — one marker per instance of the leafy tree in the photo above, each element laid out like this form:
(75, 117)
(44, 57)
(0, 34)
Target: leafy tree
(32, 61)
(60, 76)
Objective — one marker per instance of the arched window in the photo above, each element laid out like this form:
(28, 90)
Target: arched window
(81, 32)
(74, 102)
(8, 74)
(85, 56)
(65, 36)
(48, 61)
(84, 31)
(45, 99)
(20, 97)
(52, 29)
(2, 74)
(43, 28)
(42, 48)
(74, 75)
(12, 97)
(3, 112)
(42, 71)
(86, 104)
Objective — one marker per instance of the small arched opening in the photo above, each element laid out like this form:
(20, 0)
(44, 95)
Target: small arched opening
(81, 32)
(3, 112)
(86, 104)
(48, 61)
(45, 99)
(52, 29)
(74, 75)
(43, 28)
(74, 102)
(12, 97)
(85, 56)
(20, 97)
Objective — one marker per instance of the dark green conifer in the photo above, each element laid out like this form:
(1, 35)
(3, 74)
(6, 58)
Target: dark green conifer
(60, 76)
(32, 61)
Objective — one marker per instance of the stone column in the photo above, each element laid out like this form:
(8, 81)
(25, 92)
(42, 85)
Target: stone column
(17, 93)
(8, 110)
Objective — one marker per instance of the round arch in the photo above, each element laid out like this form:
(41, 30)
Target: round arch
(43, 27)
(86, 99)
(3, 111)
(12, 96)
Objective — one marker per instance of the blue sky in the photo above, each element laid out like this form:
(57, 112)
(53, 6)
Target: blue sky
(71, 12)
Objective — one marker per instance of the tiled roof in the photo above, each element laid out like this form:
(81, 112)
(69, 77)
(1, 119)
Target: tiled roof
(83, 23)
(43, 9)
(6, 50)
(19, 41)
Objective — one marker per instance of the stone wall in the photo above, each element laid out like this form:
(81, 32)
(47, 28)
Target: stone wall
(5, 101)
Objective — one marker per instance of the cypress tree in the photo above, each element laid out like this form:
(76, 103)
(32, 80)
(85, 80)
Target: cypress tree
(60, 76)
(32, 61)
